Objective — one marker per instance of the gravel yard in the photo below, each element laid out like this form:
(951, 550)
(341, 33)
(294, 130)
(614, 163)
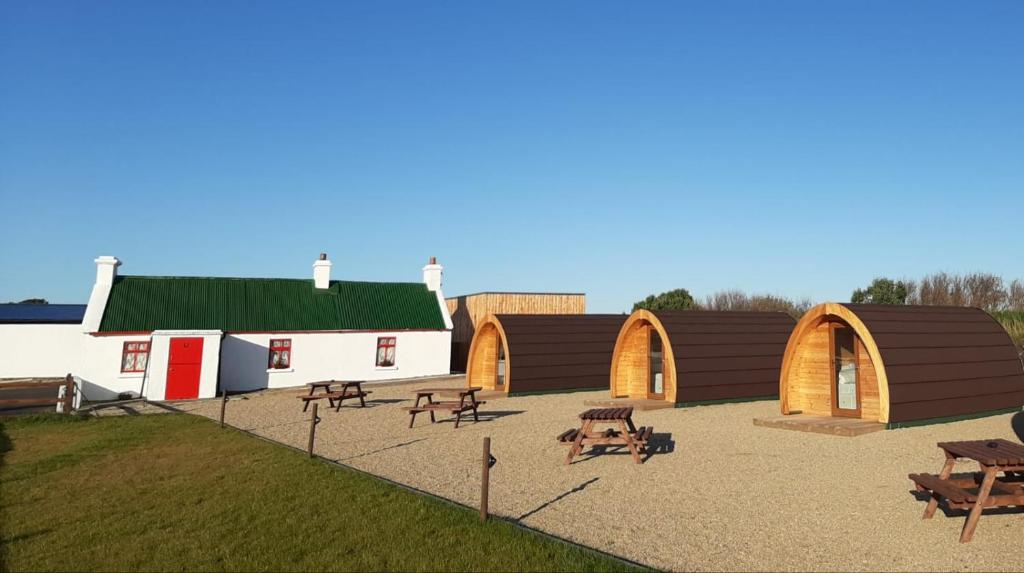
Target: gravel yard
(726, 495)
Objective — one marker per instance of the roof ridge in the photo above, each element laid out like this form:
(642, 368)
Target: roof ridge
(309, 280)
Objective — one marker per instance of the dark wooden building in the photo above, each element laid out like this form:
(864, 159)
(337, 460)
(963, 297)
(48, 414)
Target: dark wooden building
(692, 356)
(518, 353)
(468, 310)
(900, 364)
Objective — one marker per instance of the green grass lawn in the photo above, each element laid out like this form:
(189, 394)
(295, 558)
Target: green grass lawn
(176, 492)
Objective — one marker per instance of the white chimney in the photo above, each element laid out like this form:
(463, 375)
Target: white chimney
(432, 275)
(322, 272)
(106, 270)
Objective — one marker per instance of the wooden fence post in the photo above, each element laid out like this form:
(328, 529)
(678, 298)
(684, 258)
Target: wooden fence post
(485, 479)
(69, 393)
(312, 429)
(223, 406)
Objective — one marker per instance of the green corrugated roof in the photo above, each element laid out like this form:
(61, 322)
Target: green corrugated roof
(239, 304)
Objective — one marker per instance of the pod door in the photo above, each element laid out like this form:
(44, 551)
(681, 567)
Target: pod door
(499, 371)
(845, 378)
(656, 367)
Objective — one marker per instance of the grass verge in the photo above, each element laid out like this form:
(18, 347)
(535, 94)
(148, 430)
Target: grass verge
(175, 492)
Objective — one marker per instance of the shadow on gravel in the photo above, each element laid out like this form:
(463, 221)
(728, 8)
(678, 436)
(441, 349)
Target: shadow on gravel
(491, 415)
(558, 498)
(1017, 422)
(485, 416)
(403, 444)
(385, 401)
(658, 444)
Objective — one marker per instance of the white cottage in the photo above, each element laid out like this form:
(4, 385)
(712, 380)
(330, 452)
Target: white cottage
(171, 338)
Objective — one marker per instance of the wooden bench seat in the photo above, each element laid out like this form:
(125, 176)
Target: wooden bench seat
(347, 394)
(643, 435)
(447, 406)
(335, 395)
(945, 488)
(339, 396)
(455, 408)
(568, 436)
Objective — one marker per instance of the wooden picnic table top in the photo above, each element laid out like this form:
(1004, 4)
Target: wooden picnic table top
(455, 407)
(995, 452)
(329, 383)
(457, 390)
(608, 414)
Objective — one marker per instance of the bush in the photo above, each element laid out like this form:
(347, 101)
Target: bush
(678, 299)
(1013, 322)
(882, 291)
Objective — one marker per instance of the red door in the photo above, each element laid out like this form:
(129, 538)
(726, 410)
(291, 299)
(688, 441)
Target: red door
(184, 364)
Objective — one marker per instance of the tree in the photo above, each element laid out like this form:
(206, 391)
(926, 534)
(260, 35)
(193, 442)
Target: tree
(739, 300)
(882, 291)
(982, 290)
(1016, 295)
(678, 299)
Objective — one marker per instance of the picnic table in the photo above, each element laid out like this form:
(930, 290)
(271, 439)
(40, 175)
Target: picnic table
(627, 434)
(976, 491)
(349, 390)
(466, 402)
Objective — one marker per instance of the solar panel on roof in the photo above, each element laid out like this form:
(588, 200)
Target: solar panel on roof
(17, 313)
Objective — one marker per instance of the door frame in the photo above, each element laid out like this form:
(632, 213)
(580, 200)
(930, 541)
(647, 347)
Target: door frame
(651, 333)
(499, 357)
(171, 364)
(834, 372)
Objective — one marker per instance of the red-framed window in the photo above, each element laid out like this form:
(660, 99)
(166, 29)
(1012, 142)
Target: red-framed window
(386, 351)
(280, 353)
(134, 356)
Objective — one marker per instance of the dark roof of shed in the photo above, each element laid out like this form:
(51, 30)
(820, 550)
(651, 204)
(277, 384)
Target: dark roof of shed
(18, 313)
(943, 361)
(260, 305)
(726, 354)
(560, 351)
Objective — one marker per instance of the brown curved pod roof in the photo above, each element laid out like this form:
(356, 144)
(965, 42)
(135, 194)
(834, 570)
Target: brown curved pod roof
(725, 355)
(943, 361)
(709, 355)
(559, 351)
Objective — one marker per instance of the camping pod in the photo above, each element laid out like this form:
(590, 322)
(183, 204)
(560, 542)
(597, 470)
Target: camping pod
(527, 353)
(899, 365)
(692, 357)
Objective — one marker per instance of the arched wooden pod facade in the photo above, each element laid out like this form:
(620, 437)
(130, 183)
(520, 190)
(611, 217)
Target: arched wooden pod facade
(543, 352)
(913, 363)
(706, 356)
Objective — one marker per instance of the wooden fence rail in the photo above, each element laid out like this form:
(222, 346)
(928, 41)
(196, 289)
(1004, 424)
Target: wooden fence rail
(67, 401)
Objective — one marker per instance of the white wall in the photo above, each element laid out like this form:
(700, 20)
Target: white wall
(39, 350)
(331, 356)
(243, 359)
(100, 367)
(156, 380)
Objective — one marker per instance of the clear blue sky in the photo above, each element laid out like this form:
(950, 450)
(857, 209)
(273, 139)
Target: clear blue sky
(614, 148)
